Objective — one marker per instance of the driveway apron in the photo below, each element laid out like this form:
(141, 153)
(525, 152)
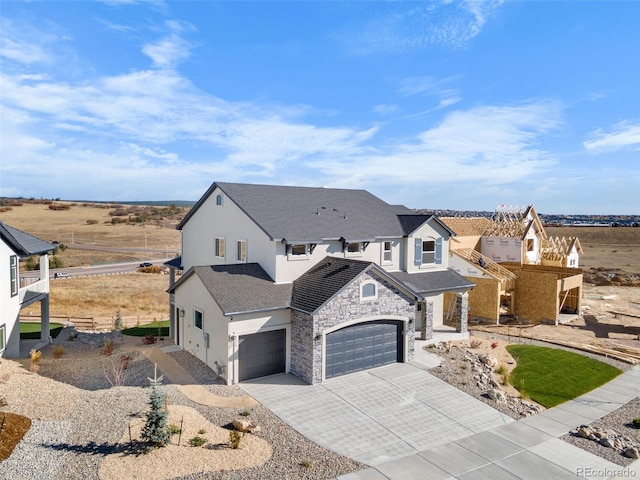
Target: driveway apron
(379, 415)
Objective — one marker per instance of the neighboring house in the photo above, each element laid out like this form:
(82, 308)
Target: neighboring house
(17, 293)
(318, 282)
(516, 268)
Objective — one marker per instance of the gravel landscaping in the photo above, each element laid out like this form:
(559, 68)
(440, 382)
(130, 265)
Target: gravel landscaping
(80, 419)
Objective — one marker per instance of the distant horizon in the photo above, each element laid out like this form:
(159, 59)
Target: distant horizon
(439, 103)
(191, 203)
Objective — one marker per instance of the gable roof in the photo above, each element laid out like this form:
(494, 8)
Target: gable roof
(21, 242)
(313, 214)
(410, 223)
(434, 282)
(326, 279)
(240, 288)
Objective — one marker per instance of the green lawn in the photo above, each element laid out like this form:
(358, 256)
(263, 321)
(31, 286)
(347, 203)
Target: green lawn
(551, 376)
(149, 329)
(31, 331)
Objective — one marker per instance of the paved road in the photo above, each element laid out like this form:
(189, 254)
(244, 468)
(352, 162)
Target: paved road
(108, 269)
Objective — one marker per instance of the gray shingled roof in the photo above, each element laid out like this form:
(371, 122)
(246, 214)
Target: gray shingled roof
(241, 288)
(323, 281)
(434, 282)
(320, 283)
(312, 214)
(410, 223)
(21, 242)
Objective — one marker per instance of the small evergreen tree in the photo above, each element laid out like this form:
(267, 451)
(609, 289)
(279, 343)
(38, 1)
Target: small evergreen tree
(118, 324)
(156, 431)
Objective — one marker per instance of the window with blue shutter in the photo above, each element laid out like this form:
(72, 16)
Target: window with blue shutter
(439, 250)
(417, 258)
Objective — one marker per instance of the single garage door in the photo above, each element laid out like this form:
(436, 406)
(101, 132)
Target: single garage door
(261, 354)
(363, 346)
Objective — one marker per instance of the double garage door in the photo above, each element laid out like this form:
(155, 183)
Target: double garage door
(363, 346)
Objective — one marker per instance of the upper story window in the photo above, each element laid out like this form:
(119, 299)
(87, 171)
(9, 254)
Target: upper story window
(299, 250)
(219, 247)
(428, 251)
(197, 319)
(386, 252)
(242, 251)
(354, 247)
(219, 199)
(368, 290)
(13, 267)
(530, 244)
(2, 337)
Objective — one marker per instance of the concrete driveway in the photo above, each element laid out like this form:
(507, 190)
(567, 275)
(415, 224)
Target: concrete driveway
(406, 423)
(378, 415)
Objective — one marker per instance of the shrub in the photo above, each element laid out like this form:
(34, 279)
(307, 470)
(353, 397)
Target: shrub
(108, 348)
(504, 372)
(174, 429)
(197, 441)
(92, 221)
(636, 422)
(35, 359)
(115, 371)
(246, 412)
(235, 437)
(494, 345)
(306, 464)
(149, 339)
(476, 343)
(58, 351)
(202, 431)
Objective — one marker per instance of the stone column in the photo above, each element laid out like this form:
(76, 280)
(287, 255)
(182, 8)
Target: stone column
(462, 310)
(427, 321)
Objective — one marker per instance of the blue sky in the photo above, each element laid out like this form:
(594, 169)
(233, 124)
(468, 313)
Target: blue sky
(452, 104)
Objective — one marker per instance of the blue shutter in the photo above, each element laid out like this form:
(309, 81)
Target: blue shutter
(417, 260)
(439, 250)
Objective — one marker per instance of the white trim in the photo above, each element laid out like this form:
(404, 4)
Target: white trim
(383, 251)
(3, 336)
(216, 244)
(201, 312)
(293, 257)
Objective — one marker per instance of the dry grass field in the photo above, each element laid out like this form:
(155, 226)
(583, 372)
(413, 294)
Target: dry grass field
(145, 298)
(138, 296)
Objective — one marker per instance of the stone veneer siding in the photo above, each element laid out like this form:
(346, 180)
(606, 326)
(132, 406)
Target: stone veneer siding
(462, 312)
(306, 351)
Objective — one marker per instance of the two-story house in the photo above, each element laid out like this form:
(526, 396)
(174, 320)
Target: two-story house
(17, 293)
(318, 282)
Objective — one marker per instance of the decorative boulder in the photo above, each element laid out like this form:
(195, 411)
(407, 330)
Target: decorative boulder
(244, 425)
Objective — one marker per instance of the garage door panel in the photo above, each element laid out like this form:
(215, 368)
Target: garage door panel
(363, 346)
(261, 354)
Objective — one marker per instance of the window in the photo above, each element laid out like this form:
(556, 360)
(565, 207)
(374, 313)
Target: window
(354, 247)
(242, 251)
(298, 249)
(368, 290)
(13, 267)
(197, 319)
(2, 336)
(530, 244)
(386, 252)
(428, 251)
(219, 199)
(219, 247)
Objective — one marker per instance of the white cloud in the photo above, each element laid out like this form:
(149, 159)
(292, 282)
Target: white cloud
(386, 109)
(491, 145)
(623, 135)
(415, 25)
(24, 44)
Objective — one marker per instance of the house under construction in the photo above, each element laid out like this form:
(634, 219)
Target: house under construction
(517, 269)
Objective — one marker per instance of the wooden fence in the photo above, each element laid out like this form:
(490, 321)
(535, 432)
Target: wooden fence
(92, 323)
